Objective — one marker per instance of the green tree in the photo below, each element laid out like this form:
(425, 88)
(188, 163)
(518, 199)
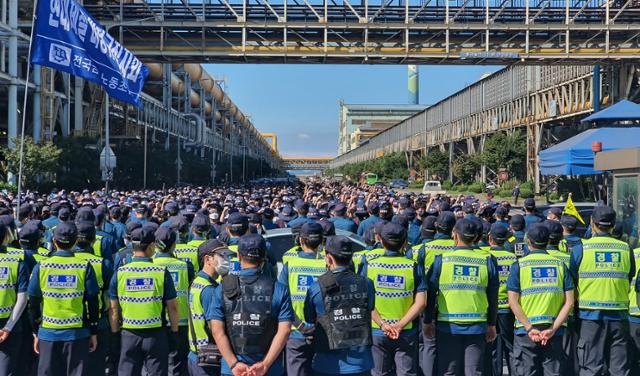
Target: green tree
(437, 162)
(506, 150)
(39, 163)
(466, 167)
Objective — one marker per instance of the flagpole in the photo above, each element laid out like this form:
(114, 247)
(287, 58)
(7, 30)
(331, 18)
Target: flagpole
(24, 108)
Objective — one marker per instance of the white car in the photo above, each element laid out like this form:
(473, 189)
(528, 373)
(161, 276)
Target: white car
(432, 187)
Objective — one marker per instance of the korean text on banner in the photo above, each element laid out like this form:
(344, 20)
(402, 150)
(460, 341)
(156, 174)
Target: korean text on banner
(69, 39)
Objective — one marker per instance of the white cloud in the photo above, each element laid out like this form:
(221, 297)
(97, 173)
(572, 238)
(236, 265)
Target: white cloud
(304, 136)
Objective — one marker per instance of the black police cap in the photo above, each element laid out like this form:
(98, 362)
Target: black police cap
(555, 229)
(340, 246)
(538, 234)
(499, 233)
(603, 216)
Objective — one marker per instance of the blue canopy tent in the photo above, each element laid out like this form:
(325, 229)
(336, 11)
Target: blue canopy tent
(622, 111)
(575, 157)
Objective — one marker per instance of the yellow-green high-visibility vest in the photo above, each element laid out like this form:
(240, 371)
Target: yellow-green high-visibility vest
(634, 310)
(12, 251)
(434, 248)
(541, 288)
(463, 287)
(187, 252)
(140, 294)
(62, 282)
(505, 259)
(303, 272)
(200, 327)
(96, 264)
(370, 254)
(8, 280)
(288, 255)
(41, 254)
(603, 274)
(394, 283)
(560, 255)
(97, 246)
(180, 276)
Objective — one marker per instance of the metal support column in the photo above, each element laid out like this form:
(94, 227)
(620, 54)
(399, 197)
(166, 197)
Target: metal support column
(77, 106)
(12, 104)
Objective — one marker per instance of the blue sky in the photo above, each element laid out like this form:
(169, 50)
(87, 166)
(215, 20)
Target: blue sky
(300, 102)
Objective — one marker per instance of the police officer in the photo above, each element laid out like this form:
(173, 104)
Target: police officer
(298, 274)
(570, 239)
(189, 252)
(340, 304)
(105, 244)
(374, 250)
(303, 209)
(182, 274)
(119, 228)
(14, 277)
(103, 271)
(29, 241)
(125, 254)
(251, 315)
(516, 241)
(213, 257)
(502, 348)
(139, 292)
(530, 216)
(67, 289)
(400, 298)
(373, 209)
(634, 314)
(340, 219)
(466, 284)
(541, 298)
(603, 269)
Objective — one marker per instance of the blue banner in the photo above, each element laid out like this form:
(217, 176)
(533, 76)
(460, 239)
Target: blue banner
(68, 39)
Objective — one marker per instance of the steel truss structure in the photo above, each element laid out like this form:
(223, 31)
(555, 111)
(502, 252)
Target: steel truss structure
(306, 163)
(376, 31)
(536, 98)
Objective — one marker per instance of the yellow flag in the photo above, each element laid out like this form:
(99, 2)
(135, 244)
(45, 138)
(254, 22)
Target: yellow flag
(570, 208)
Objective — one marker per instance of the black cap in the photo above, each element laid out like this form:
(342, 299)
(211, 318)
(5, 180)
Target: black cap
(502, 212)
(394, 233)
(538, 234)
(340, 209)
(466, 229)
(311, 231)
(64, 213)
(65, 233)
(618, 230)
(132, 226)
(85, 214)
(115, 211)
(402, 220)
(569, 222)
(445, 221)
(340, 246)
(268, 213)
(499, 233)
(201, 223)
(428, 226)
(555, 229)
(143, 235)
(557, 211)
(237, 220)
(165, 237)
(172, 208)
(603, 216)
(328, 228)
(86, 230)
(213, 246)
(530, 203)
(29, 232)
(517, 222)
(253, 246)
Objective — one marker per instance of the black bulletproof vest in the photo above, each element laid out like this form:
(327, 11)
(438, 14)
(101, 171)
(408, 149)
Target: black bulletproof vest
(250, 324)
(346, 321)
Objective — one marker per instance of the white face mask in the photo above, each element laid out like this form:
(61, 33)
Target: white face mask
(214, 216)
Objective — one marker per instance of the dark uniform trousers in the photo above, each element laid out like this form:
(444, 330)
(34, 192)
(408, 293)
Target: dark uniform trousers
(9, 355)
(98, 359)
(178, 358)
(299, 357)
(395, 356)
(533, 359)
(460, 354)
(426, 354)
(196, 370)
(500, 350)
(634, 347)
(144, 347)
(366, 373)
(63, 358)
(569, 346)
(603, 345)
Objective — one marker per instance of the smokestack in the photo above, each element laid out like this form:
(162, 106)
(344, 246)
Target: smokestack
(413, 84)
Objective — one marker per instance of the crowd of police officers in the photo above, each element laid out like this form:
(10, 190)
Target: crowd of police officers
(132, 283)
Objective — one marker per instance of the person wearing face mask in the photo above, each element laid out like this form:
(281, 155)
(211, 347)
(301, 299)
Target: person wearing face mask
(204, 357)
(182, 273)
